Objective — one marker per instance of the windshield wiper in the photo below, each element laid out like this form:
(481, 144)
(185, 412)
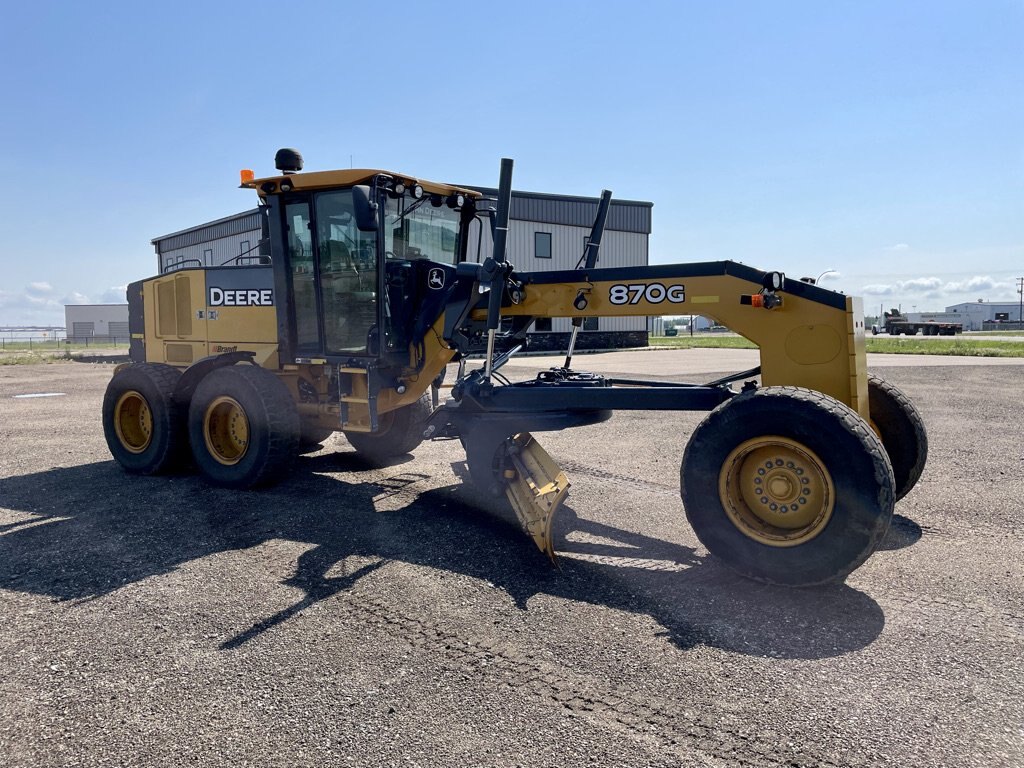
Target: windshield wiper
(412, 208)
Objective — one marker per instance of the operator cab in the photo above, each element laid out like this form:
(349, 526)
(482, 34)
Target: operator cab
(359, 255)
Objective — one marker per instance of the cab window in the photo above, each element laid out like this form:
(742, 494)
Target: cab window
(348, 274)
(421, 229)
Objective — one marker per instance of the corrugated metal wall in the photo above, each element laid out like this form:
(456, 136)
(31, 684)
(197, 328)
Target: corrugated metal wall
(214, 230)
(211, 244)
(618, 249)
(623, 215)
(210, 253)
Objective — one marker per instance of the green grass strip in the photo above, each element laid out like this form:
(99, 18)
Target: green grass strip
(956, 346)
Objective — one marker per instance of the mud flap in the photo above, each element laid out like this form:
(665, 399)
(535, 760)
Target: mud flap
(536, 487)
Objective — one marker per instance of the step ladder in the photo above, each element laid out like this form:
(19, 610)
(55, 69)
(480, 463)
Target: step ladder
(357, 395)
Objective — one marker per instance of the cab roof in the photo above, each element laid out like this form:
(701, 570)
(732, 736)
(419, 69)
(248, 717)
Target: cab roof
(347, 178)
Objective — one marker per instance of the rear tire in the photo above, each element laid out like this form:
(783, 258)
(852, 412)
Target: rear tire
(787, 486)
(401, 431)
(243, 427)
(143, 425)
(901, 428)
(311, 436)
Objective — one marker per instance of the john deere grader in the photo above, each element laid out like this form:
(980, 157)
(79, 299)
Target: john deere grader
(363, 290)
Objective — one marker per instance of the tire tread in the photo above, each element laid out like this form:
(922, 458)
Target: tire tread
(171, 452)
(278, 416)
(719, 422)
(907, 473)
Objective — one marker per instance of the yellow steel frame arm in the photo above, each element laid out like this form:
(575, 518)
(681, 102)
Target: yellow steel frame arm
(813, 339)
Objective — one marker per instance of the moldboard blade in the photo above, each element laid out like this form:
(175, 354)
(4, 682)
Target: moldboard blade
(536, 487)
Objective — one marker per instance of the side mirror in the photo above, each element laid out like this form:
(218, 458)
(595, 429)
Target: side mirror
(365, 208)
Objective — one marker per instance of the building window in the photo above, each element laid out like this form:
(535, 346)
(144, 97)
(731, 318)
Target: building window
(542, 245)
(542, 325)
(589, 323)
(243, 252)
(208, 257)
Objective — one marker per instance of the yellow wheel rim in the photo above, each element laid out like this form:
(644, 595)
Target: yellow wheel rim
(776, 491)
(226, 430)
(874, 428)
(133, 422)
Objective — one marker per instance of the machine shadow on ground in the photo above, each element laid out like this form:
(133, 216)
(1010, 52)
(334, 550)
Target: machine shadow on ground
(903, 532)
(93, 530)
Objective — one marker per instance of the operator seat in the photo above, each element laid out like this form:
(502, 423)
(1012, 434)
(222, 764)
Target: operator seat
(349, 299)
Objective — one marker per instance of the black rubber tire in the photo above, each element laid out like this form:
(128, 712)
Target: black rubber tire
(847, 447)
(401, 431)
(902, 430)
(167, 448)
(312, 435)
(483, 457)
(273, 426)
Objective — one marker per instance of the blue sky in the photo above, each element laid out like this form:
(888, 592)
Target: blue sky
(884, 140)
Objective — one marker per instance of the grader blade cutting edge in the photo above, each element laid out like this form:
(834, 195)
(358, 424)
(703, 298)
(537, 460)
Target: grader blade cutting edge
(536, 487)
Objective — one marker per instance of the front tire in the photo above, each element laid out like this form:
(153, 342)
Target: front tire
(787, 486)
(401, 431)
(243, 427)
(143, 425)
(899, 424)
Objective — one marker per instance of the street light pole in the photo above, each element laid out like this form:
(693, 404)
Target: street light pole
(1020, 309)
(826, 272)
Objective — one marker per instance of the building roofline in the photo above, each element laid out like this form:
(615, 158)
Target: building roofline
(205, 225)
(492, 191)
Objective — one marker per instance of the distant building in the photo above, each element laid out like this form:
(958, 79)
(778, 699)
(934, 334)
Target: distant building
(233, 239)
(975, 314)
(96, 322)
(546, 232)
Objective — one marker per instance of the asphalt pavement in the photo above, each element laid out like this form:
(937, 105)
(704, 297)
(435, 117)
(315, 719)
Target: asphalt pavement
(362, 615)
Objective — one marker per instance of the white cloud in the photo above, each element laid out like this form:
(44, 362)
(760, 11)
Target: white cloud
(919, 284)
(898, 247)
(75, 298)
(114, 295)
(36, 304)
(39, 289)
(935, 288)
(878, 290)
(977, 283)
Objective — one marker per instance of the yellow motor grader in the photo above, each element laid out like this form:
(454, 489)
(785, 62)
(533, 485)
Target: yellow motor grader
(363, 292)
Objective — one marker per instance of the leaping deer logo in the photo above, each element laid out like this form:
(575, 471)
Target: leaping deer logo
(435, 279)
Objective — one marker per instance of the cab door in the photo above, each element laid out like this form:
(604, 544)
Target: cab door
(347, 271)
(303, 276)
(333, 276)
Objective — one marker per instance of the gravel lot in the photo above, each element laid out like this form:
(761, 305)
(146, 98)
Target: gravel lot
(392, 616)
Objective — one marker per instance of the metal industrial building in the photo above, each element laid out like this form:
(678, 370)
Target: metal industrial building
(212, 244)
(546, 232)
(986, 315)
(85, 323)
